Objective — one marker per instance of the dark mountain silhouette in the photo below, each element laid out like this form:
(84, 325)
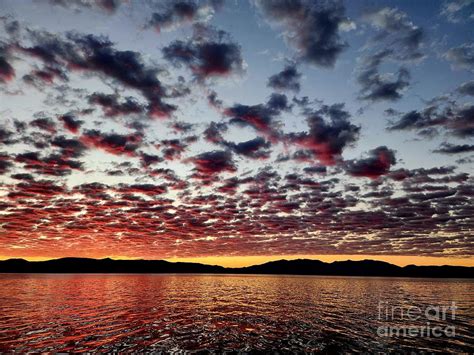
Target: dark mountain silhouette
(291, 267)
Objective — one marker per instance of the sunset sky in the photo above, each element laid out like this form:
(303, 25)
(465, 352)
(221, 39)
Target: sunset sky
(236, 132)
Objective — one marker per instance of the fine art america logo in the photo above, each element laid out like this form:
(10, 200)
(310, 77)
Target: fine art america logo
(431, 320)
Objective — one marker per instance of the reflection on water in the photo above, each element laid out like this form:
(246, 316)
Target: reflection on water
(221, 312)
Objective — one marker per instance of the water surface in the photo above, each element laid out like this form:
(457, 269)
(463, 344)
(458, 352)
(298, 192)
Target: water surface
(88, 312)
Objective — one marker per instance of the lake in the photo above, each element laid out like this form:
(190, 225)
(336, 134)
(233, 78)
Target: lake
(98, 312)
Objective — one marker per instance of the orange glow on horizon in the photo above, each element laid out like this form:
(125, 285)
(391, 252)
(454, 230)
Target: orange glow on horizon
(240, 261)
(400, 260)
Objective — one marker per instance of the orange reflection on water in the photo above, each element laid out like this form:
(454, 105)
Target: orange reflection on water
(217, 312)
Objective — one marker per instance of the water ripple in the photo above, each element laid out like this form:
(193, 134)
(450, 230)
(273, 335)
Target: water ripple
(48, 313)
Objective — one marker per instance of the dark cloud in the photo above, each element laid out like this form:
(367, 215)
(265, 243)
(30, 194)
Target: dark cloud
(182, 127)
(113, 143)
(69, 147)
(46, 124)
(261, 117)
(395, 29)
(47, 75)
(317, 169)
(303, 155)
(256, 148)
(466, 88)
(420, 175)
(278, 102)
(6, 136)
(113, 107)
(375, 86)
(326, 139)
(466, 160)
(404, 39)
(168, 14)
(97, 54)
(287, 79)
(150, 159)
(147, 189)
(457, 120)
(416, 120)
(213, 163)
(12, 26)
(54, 164)
(108, 6)
(173, 148)
(7, 72)
(22, 176)
(211, 53)
(448, 148)
(71, 123)
(376, 164)
(312, 27)
(213, 133)
(461, 57)
(5, 163)
(213, 100)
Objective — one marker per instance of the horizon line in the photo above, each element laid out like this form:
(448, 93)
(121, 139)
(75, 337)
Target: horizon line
(198, 260)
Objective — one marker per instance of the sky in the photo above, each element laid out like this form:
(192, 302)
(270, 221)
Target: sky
(236, 132)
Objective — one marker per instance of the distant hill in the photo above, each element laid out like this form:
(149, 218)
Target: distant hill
(356, 268)
(289, 267)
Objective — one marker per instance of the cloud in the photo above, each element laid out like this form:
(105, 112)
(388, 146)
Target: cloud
(98, 55)
(182, 127)
(22, 176)
(112, 107)
(149, 159)
(461, 57)
(287, 79)
(47, 75)
(113, 143)
(458, 10)
(6, 136)
(213, 132)
(169, 14)
(311, 27)
(173, 148)
(237, 204)
(256, 148)
(261, 117)
(45, 124)
(7, 72)
(376, 164)
(212, 163)
(71, 123)
(377, 87)
(209, 53)
(448, 148)
(69, 147)
(394, 28)
(5, 163)
(108, 6)
(326, 139)
(278, 103)
(213, 100)
(456, 119)
(54, 164)
(146, 189)
(466, 88)
(405, 41)
(317, 169)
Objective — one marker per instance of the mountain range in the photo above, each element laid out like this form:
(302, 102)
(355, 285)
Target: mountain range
(282, 267)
